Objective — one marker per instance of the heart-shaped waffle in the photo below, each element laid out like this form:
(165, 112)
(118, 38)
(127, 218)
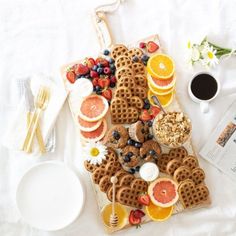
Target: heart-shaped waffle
(140, 92)
(129, 195)
(124, 71)
(178, 153)
(135, 101)
(126, 81)
(162, 161)
(138, 68)
(140, 80)
(191, 162)
(172, 166)
(123, 92)
(123, 61)
(118, 50)
(121, 113)
(135, 52)
(191, 195)
(105, 183)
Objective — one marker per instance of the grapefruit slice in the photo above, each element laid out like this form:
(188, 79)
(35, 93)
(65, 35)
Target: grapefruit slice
(88, 126)
(95, 135)
(93, 108)
(158, 213)
(161, 66)
(161, 84)
(165, 100)
(163, 192)
(160, 91)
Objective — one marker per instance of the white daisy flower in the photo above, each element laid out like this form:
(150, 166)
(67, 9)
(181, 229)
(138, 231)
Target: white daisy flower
(95, 152)
(193, 53)
(209, 56)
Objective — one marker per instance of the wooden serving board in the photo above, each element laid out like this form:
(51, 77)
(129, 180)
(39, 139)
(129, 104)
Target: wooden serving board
(174, 106)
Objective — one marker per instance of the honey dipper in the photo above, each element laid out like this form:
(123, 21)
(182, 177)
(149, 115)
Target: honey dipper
(113, 217)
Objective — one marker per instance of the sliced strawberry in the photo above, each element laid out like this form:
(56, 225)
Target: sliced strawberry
(102, 61)
(93, 74)
(154, 111)
(145, 116)
(104, 82)
(144, 199)
(133, 220)
(90, 62)
(81, 69)
(142, 45)
(70, 75)
(107, 94)
(95, 82)
(138, 213)
(152, 46)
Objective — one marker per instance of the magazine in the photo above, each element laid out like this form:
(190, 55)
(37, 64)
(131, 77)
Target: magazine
(220, 149)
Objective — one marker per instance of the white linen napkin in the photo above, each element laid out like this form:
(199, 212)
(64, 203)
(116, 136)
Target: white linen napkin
(17, 129)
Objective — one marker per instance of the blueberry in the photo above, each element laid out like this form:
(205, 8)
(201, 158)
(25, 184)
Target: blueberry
(130, 142)
(100, 65)
(146, 100)
(144, 58)
(137, 168)
(145, 63)
(99, 92)
(97, 88)
(149, 123)
(127, 158)
(150, 136)
(144, 156)
(111, 61)
(106, 52)
(152, 152)
(129, 154)
(99, 70)
(138, 145)
(146, 106)
(112, 85)
(135, 59)
(112, 67)
(95, 68)
(116, 135)
(132, 171)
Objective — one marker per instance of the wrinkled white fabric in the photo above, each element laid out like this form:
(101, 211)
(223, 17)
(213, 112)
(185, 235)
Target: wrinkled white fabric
(40, 36)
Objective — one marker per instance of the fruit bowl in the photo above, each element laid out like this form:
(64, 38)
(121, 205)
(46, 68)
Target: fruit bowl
(172, 129)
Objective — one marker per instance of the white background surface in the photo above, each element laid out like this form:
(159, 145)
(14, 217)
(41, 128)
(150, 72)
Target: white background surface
(40, 36)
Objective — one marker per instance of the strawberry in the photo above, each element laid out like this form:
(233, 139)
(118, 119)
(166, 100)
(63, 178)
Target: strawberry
(93, 74)
(81, 69)
(144, 199)
(95, 82)
(113, 79)
(90, 62)
(133, 220)
(103, 82)
(152, 46)
(102, 61)
(142, 45)
(138, 213)
(107, 94)
(145, 116)
(154, 111)
(70, 75)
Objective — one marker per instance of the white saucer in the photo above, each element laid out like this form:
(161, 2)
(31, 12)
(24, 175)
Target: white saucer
(49, 196)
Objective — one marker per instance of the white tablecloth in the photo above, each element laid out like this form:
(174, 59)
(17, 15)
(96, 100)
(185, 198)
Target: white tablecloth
(40, 36)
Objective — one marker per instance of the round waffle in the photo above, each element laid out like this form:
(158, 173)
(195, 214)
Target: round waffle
(178, 153)
(135, 101)
(135, 52)
(123, 92)
(118, 50)
(191, 162)
(123, 61)
(124, 71)
(197, 176)
(172, 166)
(126, 81)
(182, 173)
(140, 92)
(140, 80)
(138, 68)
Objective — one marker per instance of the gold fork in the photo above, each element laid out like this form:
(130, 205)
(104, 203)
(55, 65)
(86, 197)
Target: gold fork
(41, 103)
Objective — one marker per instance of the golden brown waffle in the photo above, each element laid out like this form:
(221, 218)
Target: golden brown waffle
(162, 162)
(138, 68)
(125, 180)
(135, 101)
(172, 166)
(123, 61)
(135, 52)
(197, 176)
(118, 50)
(98, 174)
(90, 167)
(140, 80)
(126, 81)
(124, 71)
(105, 183)
(110, 192)
(129, 195)
(119, 174)
(112, 167)
(191, 162)
(121, 113)
(123, 92)
(191, 195)
(182, 173)
(140, 92)
(178, 153)
(147, 147)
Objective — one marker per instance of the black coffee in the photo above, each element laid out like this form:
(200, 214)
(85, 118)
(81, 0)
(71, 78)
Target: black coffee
(204, 86)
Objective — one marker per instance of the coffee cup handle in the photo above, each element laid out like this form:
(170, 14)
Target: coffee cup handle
(204, 107)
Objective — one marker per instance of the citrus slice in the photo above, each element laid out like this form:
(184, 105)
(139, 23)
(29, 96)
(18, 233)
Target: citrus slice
(161, 84)
(163, 192)
(160, 91)
(165, 100)
(93, 108)
(95, 135)
(88, 126)
(158, 213)
(161, 66)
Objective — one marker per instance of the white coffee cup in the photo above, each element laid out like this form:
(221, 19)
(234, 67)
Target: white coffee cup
(204, 104)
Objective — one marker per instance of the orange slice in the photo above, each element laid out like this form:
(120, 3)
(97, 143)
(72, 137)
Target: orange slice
(158, 213)
(160, 91)
(161, 66)
(165, 100)
(161, 84)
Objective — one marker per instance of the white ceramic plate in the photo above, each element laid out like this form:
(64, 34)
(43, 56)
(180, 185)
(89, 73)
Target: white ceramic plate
(49, 196)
